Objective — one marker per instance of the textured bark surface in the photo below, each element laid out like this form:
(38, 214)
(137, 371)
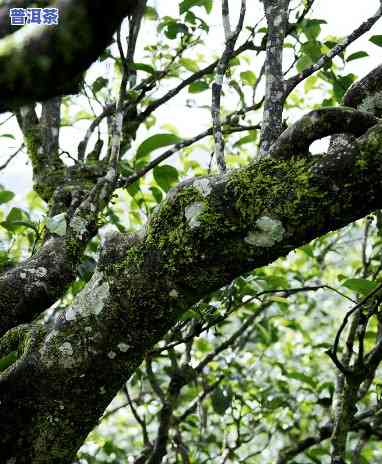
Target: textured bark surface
(206, 233)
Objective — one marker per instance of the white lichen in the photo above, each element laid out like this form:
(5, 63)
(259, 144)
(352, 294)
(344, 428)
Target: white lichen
(123, 347)
(192, 213)
(57, 224)
(372, 104)
(173, 293)
(141, 233)
(71, 314)
(66, 349)
(111, 355)
(203, 186)
(41, 271)
(91, 300)
(268, 232)
(278, 20)
(78, 225)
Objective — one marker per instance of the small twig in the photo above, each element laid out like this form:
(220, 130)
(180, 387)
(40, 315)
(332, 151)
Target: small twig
(221, 68)
(3, 166)
(153, 381)
(332, 353)
(141, 421)
(126, 181)
(292, 82)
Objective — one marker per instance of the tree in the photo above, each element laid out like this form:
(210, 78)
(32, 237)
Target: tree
(196, 281)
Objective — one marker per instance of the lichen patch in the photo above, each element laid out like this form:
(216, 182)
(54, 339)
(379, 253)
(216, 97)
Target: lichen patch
(192, 213)
(203, 186)
(123, 347)
(268, 232)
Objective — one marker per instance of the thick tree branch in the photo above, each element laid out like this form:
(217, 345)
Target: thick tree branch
(276, 13)
(31, 287)
(41, 139)
(207, 232)
(366, 94)
(295, 140)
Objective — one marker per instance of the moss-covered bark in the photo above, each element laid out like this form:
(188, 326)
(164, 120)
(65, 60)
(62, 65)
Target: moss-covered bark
(205, 234)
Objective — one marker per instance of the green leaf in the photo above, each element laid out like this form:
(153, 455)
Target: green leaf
(125, 168)
(304, 62)
(357, 55)
(172, 28)
(5, 196)
(341, 84)
(154, 142)
(302, 378)
(165, 176)
(376, 40)
(203, 345)
(189, 64)
(57, 224)
(157, 194)
(16, 218)
(8, 136)
(363, 286)
(198, 86)
(308, 250)
(250, 138)
(15, 214)
(142, 67)
(99, 84)
(133, 188)
(83, 115)
(312, 49)
(185, 5)
(248, 77)
(312, 28)
(221, 399)
(8, 360)
(151, 13)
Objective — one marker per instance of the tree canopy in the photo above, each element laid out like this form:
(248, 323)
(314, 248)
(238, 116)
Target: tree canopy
(175, 296)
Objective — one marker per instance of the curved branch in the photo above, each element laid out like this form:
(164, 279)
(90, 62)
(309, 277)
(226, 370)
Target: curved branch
(34, 285)
(363, 95)
(295, 140)
(366, 94)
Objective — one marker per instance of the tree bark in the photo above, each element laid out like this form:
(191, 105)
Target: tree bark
(207, 232)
